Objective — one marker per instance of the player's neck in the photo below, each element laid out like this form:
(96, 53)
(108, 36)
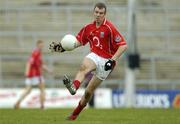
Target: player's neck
(98, 24)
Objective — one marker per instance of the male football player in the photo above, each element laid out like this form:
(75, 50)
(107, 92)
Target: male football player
(33, 75)
(106, 46)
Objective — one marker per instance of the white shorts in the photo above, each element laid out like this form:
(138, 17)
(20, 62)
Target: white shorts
(100, 62)
(34, 80)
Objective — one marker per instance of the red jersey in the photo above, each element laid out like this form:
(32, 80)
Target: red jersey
(104, 40)
(35, 62)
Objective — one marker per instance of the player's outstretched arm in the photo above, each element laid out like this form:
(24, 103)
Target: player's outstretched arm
(119, 52)
(47, 69)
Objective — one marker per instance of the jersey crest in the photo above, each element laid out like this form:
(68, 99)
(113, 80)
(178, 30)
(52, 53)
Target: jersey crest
(101, 34)
(117, 38)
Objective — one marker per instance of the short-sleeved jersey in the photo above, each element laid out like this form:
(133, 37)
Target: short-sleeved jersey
(35, 61)
(104, 40)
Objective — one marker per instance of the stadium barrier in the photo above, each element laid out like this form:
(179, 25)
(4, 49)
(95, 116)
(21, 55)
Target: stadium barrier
(55, 98)
(104, 98)
(149, 99)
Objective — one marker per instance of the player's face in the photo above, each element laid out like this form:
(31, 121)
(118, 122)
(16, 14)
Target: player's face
(99, 14)
(40, 46)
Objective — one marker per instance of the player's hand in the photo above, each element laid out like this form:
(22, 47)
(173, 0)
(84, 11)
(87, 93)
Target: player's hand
(109, 65)
(56, 47)
(50, 70)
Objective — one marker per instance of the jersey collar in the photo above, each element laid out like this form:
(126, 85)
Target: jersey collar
(104, 22)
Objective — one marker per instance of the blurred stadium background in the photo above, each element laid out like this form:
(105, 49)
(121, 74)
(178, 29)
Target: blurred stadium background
(23, 22)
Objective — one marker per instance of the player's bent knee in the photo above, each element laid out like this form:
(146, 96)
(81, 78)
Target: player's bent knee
(84, 69)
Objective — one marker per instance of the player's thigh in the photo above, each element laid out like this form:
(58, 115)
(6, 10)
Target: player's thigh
(93, 84)
(88, 65)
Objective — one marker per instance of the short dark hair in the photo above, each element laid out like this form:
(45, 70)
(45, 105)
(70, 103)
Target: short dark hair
(100, 6)
(39, 42)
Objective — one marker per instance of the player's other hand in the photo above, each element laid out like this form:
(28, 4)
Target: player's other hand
(56, 47)
(109, 65)
(50, 71)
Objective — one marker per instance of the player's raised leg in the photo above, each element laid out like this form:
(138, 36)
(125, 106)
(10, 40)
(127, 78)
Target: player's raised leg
(87, 66)
(27, 90)
(93, 84)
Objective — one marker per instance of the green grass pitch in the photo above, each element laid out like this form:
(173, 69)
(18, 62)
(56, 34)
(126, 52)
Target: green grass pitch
(91, 116)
